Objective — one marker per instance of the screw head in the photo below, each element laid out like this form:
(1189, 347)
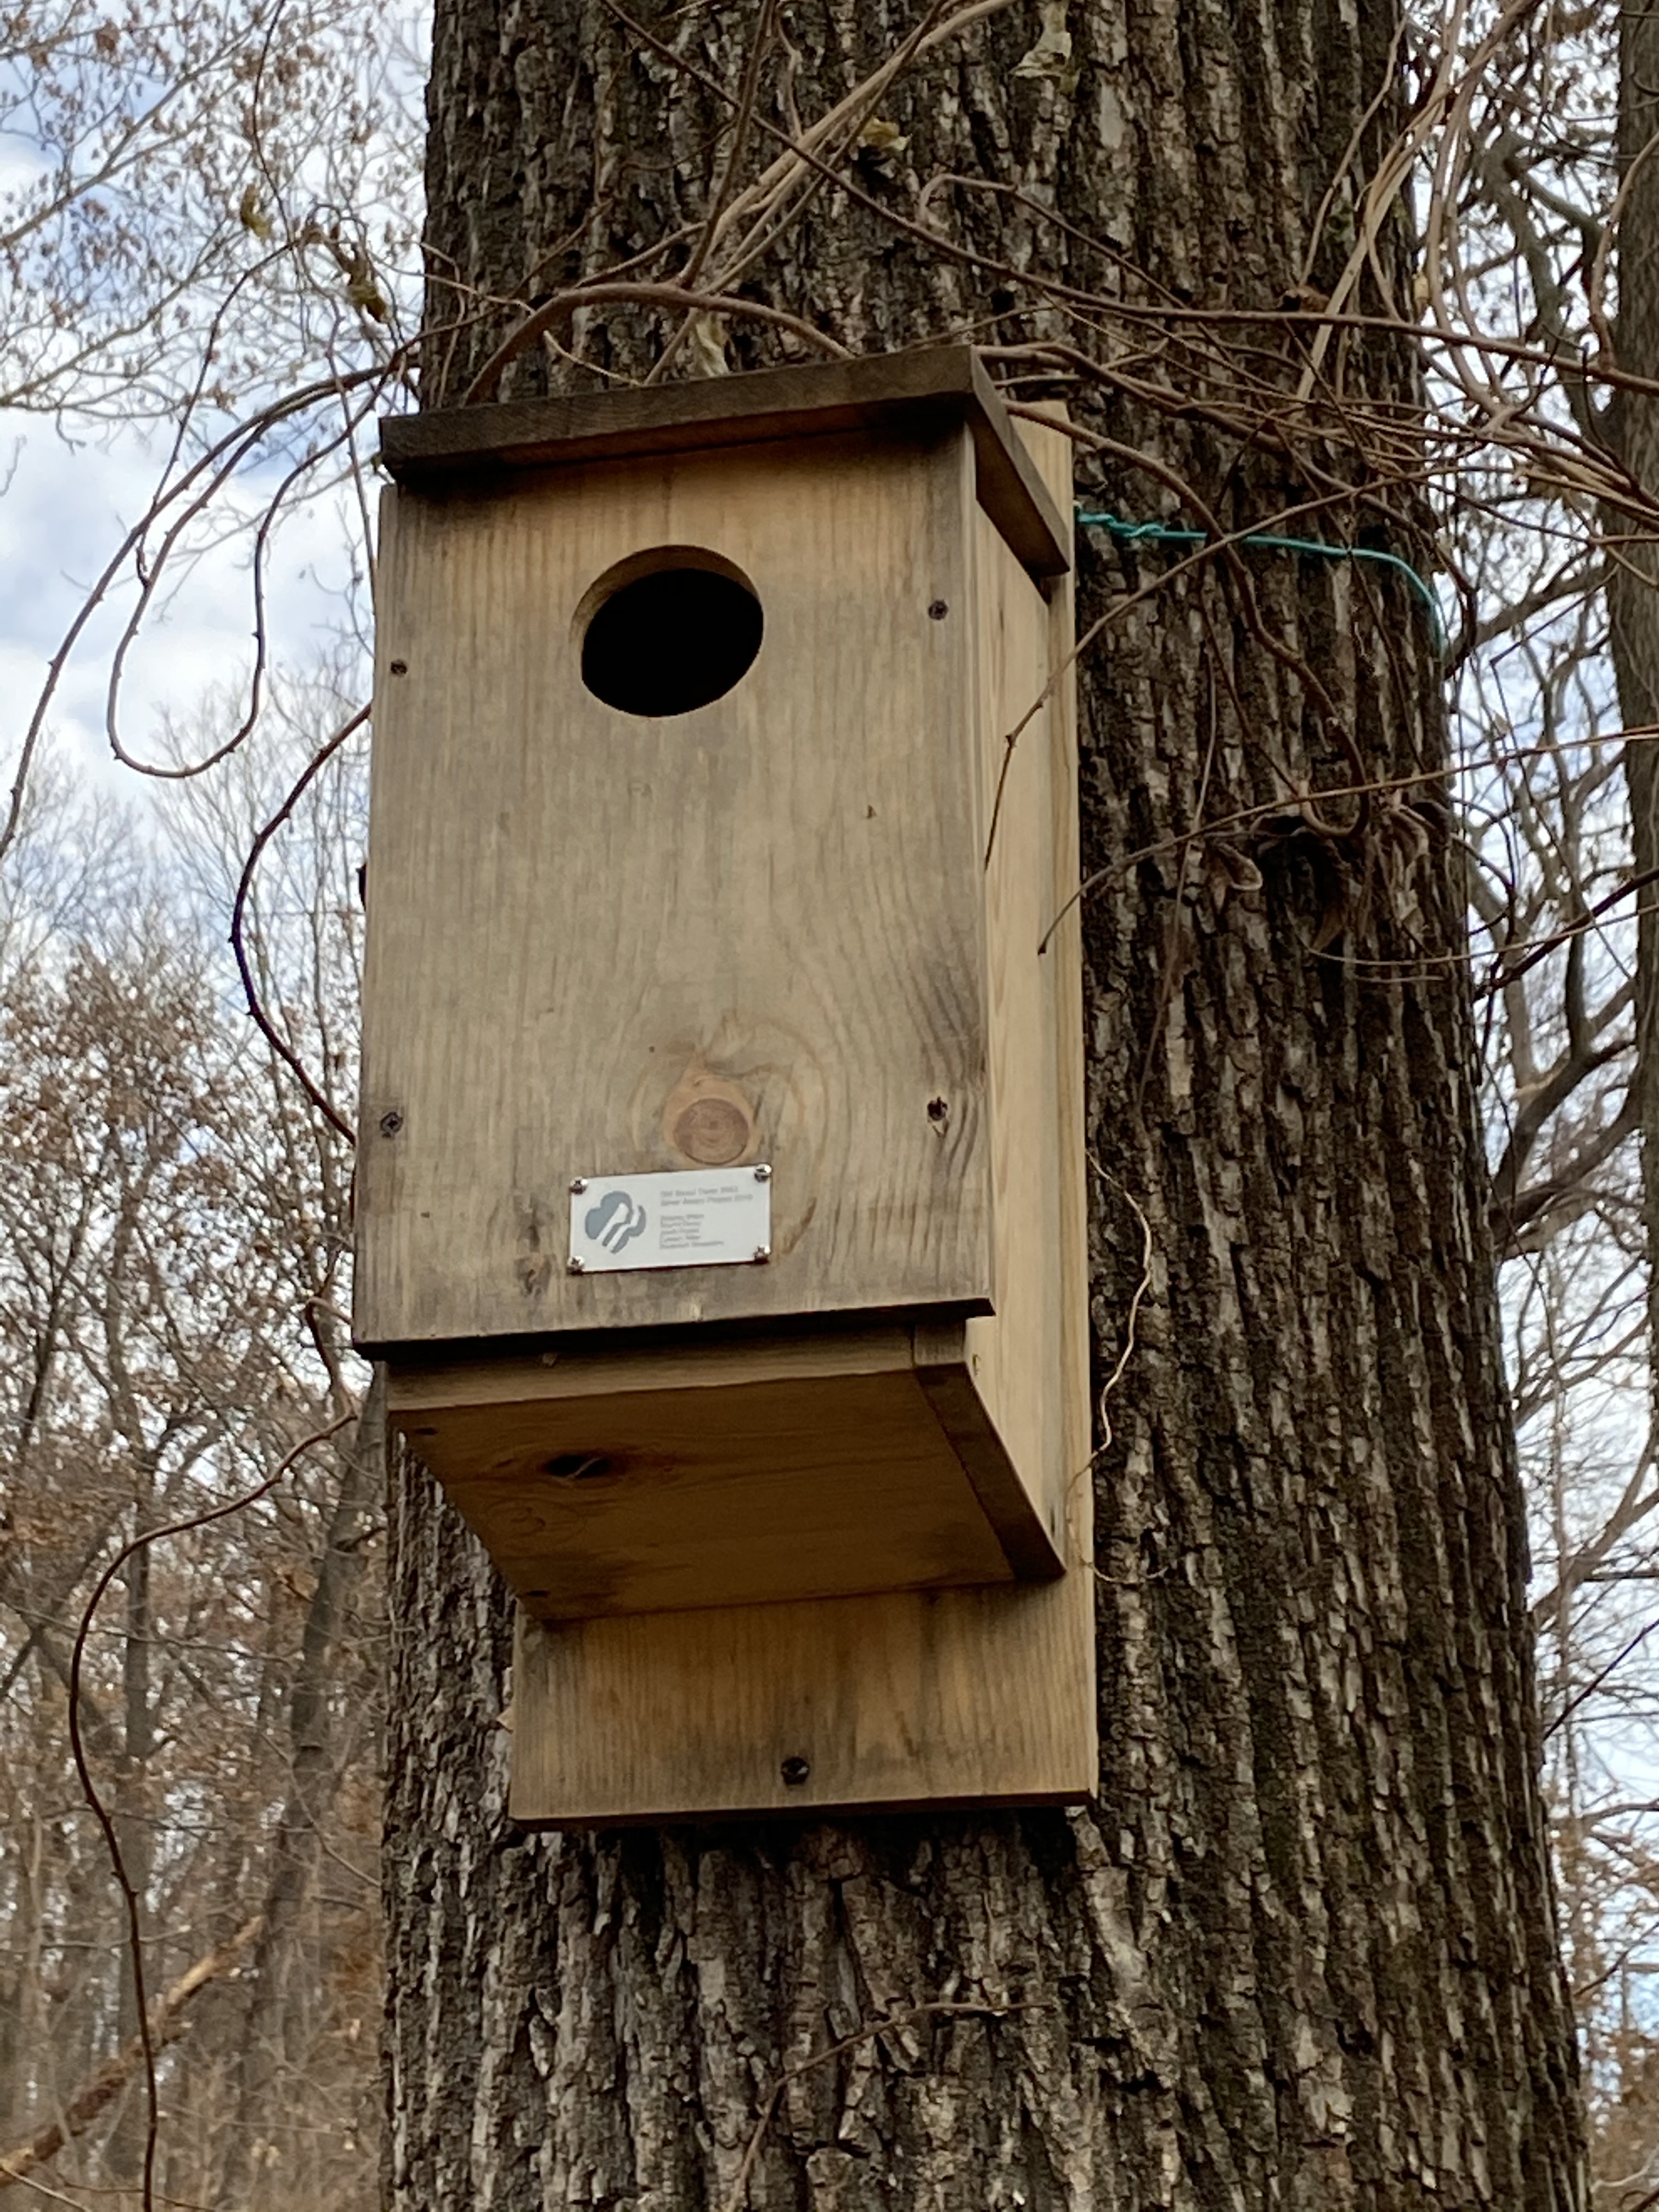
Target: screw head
(762, 1173)
(398, 668)
(794, 1771)
(390, 1123)
(762, 1252)
(578, 1183)
(938, 608)
(575, 1267)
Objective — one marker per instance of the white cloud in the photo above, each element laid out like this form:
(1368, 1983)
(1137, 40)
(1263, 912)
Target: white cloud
(62, 515)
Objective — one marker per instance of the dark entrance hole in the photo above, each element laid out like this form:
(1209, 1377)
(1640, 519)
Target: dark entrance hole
(669, 630)
(578, 1465)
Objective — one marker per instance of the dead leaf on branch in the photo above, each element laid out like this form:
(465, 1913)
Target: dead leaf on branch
(880, 136)
(706, 343)
(363, 292)
(251, 216)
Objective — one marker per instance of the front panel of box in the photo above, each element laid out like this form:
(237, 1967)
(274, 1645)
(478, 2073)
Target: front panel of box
(614, 936)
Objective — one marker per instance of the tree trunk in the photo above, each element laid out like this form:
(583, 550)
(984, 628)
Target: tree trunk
(1633, 579)
(134, 1816)
(1300, 1953)
(275, 2034)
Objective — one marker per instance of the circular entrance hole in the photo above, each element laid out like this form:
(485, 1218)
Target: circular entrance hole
(669, 630)
(578, 1465)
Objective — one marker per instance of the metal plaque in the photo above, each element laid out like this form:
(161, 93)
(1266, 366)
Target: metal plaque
(695, 1217)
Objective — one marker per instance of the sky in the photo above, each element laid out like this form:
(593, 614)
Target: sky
(66, 499)
(63, 512)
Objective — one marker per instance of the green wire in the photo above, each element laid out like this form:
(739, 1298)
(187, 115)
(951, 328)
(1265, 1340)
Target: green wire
(1160, 534)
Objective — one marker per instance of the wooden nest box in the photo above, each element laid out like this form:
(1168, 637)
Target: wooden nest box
(719, 1214)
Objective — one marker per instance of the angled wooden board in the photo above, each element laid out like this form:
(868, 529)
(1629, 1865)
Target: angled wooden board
(907, 391)
(659, 1477)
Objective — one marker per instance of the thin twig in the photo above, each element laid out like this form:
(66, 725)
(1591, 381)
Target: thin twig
(277, 1042)
(601, 294)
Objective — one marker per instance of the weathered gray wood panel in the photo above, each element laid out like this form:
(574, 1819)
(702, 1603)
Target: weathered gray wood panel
(782, 890)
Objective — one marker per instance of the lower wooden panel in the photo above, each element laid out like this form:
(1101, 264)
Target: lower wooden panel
(953, 1697)
(696, 1498)
(657, 1478)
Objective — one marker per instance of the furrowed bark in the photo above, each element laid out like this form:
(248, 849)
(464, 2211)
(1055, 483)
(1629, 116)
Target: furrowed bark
(1632, 426)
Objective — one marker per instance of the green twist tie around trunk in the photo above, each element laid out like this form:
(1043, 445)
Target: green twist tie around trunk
(1159, 534)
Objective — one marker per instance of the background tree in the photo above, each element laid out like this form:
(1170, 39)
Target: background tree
(1544, 228)
(173, 1232)
(1301, 1951)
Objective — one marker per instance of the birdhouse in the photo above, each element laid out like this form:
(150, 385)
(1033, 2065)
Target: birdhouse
(719, 1198)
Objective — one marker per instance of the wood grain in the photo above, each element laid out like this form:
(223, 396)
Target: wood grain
(965, 1697)
(981, 1696)
(914, 392)
(780, 890)
(649, 1480)
(1034, 1002)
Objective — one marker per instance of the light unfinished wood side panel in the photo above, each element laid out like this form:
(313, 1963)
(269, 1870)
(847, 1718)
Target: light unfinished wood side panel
(1019, 1358)
(574, 913)
(1052, 451)
(964, 1697)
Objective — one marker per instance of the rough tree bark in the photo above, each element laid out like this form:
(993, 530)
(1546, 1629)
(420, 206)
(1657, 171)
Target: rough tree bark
(1633, 428)
(1300, 1953)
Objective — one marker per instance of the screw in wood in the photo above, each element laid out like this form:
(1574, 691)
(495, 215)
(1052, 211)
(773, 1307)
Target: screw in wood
(762, 1173)
(574, 1265)
(578, 1183)
(398, 668)
(762, 1252)
(794, 1771)
(390, 1123)
(937, 610)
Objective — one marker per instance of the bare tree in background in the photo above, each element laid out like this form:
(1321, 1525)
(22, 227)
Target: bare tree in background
(176, 233)
(175, 1232)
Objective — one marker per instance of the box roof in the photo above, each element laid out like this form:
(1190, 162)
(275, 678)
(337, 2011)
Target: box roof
(453, 446)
